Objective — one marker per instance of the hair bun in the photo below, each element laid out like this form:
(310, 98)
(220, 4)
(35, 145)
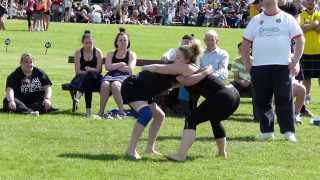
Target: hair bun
(122, 29)
(195, 47)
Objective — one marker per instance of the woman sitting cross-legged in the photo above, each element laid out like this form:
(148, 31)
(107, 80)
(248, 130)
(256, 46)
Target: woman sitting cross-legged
(120, 64)
(28, 89)
(88, 62)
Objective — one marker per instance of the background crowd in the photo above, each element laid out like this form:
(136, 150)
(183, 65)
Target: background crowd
(212, 13)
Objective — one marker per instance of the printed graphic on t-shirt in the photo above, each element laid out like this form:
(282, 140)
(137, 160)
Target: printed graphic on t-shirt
(269, 31)
(30, 85)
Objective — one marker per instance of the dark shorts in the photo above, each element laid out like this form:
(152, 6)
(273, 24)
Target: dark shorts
(300, 75)
(310, 66)
(37, 15)
(47, 12)
(131, 91)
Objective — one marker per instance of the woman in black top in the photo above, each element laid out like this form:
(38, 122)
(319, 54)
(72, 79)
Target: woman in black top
(28, 89)
(88, 62)
(220, 102)
(139, 91)
(120, 64)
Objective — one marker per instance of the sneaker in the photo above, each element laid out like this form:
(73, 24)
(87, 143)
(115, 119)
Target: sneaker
(107, 116)
(297, 119)
(121, 115)
(306, 112)
(290, 136)
(34, 113)
(265, 136)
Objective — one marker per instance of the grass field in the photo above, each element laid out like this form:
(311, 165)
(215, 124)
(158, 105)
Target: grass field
(69, 146)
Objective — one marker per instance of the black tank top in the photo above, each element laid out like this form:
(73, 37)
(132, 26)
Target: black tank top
(116, 60)
(207, 88)
(152, 84)
(91, 63)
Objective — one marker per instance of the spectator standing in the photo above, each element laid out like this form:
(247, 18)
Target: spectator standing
(273, 67)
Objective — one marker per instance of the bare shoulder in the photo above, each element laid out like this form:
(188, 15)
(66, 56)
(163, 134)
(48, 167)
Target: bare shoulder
(132, 54)
(110, 53)
(77, 52)
(99, 51)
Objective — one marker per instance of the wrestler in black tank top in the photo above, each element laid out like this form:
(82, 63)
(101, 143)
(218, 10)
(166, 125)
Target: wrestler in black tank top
(116, 60)
(91, 63)
(151, 84)
(207, 87)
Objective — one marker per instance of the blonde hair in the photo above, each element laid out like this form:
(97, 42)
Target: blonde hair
(192, 51)
(25, 56)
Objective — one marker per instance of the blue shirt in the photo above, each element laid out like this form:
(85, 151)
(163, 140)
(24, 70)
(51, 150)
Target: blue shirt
(219, 60)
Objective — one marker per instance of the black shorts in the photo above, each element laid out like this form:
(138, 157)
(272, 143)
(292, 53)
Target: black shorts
(47, 12)
(311, 66)
(131, 91)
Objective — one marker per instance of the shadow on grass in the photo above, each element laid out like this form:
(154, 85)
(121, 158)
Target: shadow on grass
(100, 157)
(116, 157)
(204, 139)
(245, 119)
(17, 30)
(67, 112)
(242, 138)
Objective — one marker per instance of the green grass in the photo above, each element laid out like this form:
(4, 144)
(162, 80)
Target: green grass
(68, 146)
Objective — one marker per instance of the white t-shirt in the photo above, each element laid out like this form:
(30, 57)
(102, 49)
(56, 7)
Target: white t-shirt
(271, 38)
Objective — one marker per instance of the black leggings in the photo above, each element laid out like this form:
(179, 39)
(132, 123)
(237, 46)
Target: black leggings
(22, 108)
(29, 18)
(215, 109)
(91, 82)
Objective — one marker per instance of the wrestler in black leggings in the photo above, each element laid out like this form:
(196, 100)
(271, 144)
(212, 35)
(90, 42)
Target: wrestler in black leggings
(220, 102)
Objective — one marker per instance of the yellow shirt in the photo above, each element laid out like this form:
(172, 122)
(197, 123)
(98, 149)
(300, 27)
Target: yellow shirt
(253, 10)
(312, 44)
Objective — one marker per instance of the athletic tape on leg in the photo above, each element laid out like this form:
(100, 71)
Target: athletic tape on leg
(144, 115)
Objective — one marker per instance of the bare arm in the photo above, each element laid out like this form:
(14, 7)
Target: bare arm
(132, 62)
(308, 27)
(174, 69)
(9, 94)
(47, 92)
(194, 78)
(99, 55)
(245, 53)
(298, 50)
(112, 66)
(77, 63)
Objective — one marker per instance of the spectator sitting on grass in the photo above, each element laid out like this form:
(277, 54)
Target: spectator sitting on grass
(28, 89)
(242, 79)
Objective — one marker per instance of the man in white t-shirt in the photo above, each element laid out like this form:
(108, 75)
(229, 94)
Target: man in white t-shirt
(273, 67)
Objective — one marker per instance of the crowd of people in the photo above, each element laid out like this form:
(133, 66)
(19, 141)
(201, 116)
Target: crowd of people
(274, 45)
(211, 13)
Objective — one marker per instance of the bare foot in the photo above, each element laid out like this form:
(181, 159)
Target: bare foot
(152, 152)
(222, 155)
(176, 158)
(133, 155)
